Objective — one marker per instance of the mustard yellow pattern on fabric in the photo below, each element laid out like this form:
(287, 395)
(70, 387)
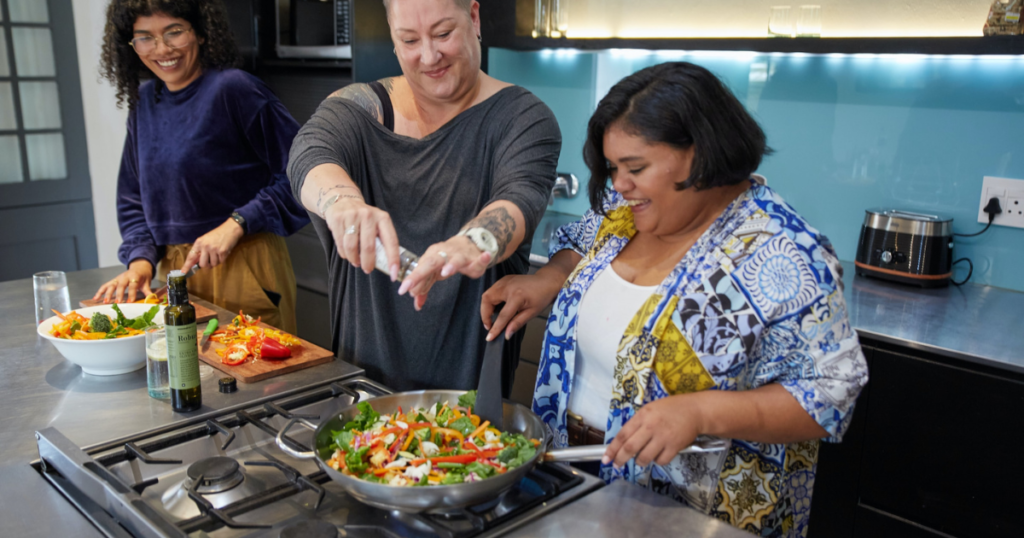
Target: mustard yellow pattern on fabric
(677, 365)
(636, 325)
(618, 223)
(634, 357)
(748, 488)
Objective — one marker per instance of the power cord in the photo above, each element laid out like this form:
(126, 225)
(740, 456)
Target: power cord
(970, 271)
(993, 209)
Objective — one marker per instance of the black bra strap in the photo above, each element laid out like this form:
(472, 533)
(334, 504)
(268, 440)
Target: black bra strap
(387, 110)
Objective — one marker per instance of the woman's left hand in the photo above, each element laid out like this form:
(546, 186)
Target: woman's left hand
(214, 247)
(457, 255)
(657, 432)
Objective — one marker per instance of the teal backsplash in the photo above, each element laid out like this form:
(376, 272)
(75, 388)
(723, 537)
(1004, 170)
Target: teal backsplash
(850, 132)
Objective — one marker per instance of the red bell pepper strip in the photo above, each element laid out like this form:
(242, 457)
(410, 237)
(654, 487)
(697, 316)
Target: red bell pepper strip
(384, 433)
(465, 458)
(501, 470)
(234, 348)
(486, 454)
(272, 349)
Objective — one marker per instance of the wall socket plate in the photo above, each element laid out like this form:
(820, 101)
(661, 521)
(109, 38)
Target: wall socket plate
(1011, 199)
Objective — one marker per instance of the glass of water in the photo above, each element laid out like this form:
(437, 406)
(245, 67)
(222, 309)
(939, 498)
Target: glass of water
(809, 22)
(780, 22)
(157, 376)
(51, 292)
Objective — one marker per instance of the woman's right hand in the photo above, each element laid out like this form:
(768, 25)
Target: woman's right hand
(524, 296)
(356, 227)
(127, 284)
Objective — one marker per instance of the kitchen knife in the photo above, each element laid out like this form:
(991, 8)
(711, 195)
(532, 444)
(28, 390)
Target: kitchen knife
(210, 327)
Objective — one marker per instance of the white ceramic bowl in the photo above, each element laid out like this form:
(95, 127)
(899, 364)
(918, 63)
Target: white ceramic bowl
(104, 357)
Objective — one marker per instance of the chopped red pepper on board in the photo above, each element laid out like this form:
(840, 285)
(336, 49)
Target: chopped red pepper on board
(272, 349)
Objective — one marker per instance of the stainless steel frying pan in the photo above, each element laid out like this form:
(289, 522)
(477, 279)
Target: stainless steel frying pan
(517, 419)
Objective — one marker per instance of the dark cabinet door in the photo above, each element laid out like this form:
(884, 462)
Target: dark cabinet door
(941, 446)
(877, 524)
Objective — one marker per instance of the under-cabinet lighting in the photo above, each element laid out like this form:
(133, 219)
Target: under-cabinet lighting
(747, 54)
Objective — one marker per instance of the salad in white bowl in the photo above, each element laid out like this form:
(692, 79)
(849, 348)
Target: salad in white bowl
(104, 339)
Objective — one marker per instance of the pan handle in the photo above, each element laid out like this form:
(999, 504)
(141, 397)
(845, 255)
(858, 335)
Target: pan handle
(282, 443)
(595, 452)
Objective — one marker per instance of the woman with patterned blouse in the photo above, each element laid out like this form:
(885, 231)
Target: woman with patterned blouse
(691, 300)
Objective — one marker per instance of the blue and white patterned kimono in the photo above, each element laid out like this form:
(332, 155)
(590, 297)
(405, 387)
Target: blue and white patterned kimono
(757, 300)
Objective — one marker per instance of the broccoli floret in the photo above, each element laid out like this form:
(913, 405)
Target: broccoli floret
(100, 323)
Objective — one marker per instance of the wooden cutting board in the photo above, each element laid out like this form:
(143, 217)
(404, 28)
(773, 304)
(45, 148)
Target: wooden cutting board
(253, 371)
(203, 314)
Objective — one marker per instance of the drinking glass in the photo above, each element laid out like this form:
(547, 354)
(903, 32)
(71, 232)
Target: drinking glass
(542, 18)
(780, 22)
(559, 18)
(51, 292)
(808, 24)
(157, 375)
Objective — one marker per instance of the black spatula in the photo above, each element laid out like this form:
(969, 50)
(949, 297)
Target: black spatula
(488, 390)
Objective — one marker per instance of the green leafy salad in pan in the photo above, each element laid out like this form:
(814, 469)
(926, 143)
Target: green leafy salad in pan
(439, 445)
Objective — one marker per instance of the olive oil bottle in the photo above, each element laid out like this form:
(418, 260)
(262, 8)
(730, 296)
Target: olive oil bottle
(182, 348)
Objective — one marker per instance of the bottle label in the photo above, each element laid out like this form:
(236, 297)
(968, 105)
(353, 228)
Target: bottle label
(182, 356)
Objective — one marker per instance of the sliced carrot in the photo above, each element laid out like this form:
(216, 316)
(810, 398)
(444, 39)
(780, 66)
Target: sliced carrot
(59, 315)
(480, 429)
(408, 440)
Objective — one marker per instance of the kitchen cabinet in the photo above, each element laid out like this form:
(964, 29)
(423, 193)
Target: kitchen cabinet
(505, 24)
(929, 453)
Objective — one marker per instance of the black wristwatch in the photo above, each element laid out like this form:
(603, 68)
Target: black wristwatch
(241, 221)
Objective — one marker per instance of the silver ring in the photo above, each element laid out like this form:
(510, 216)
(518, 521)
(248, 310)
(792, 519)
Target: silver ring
(351, 230)
(443, 255)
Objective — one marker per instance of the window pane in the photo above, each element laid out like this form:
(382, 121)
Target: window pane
(33, 52)
(28, 10)
(10, 159)
(7, 120)
(46, 156)
(5, 70)
(40, 105)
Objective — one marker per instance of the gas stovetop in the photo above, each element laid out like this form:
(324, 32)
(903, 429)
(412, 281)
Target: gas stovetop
(226, 477)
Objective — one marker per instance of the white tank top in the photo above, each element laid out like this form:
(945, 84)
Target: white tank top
(604, 313)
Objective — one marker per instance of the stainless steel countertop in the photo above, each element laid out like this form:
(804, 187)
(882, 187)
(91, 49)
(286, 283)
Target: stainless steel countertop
(975, 323)
(623, 509)
(40, 389)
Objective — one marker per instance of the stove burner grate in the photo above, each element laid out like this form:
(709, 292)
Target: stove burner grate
(217, 474)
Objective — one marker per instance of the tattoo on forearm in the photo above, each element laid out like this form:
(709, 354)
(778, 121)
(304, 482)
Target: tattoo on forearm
(499, 222)
(322, 193)
(362, 95)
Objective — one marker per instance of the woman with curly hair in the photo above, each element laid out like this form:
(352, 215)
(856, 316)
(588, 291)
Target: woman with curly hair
(202, 178)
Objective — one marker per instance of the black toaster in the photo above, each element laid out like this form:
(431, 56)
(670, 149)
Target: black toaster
(903, 246)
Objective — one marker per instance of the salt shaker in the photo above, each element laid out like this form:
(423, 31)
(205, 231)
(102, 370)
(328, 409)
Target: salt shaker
(406, 261)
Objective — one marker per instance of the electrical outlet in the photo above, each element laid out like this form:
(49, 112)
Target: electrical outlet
(1010, 193)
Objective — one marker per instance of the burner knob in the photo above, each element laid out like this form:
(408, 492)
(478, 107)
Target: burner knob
(886, 257)
(901, 257)
(228, 384)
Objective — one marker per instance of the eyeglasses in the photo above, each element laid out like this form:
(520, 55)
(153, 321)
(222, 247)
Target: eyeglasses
(173, 39)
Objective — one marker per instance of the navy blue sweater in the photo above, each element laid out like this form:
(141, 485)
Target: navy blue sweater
(193, 156)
